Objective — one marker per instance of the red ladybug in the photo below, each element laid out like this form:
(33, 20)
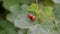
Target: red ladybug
(31, 17)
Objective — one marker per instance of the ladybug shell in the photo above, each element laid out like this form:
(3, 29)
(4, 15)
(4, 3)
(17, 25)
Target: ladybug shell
(31, 17)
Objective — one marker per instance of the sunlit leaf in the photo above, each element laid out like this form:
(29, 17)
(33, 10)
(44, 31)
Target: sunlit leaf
(22, 21)
(33, 7)
(48, 11)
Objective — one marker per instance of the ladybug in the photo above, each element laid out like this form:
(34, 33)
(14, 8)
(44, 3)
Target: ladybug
(32, 17)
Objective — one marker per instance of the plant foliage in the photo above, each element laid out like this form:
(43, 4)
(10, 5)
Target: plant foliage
(14, 18)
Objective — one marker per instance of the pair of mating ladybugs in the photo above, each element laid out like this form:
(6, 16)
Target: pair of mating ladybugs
(31, 16)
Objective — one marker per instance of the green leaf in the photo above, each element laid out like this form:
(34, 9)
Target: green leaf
(4, 23)
(17, 10)
(11, 17)
(8, 3)
(10, 31)
(7, 27)
(33, 7)
(56, 11)
(47, 25)
(48, 2)
(22, 31)
(23, 21)
(2, 32)
(48, 11)
(38, 31)
(57, 24)
(44, 28)
(22, 1)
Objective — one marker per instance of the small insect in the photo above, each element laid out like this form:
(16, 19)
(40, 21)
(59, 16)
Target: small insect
(32, 17)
